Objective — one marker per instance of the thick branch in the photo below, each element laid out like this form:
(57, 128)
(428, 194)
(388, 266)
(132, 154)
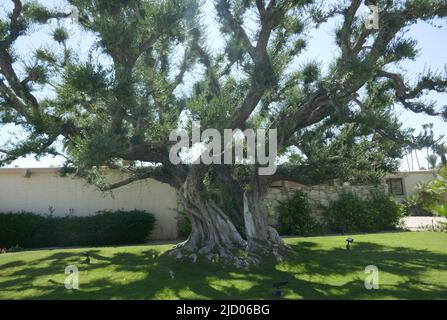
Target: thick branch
(318, 107)
(11, 76)
(157, 173)
(223, 8)
(405, 93)
(15, 29)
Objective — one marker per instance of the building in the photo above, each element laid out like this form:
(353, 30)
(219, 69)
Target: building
(402, 184)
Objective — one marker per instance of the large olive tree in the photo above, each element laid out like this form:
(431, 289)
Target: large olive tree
(150, 72)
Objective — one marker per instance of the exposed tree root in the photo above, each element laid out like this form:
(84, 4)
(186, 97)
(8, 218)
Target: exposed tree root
(214, 255)
(215, 239)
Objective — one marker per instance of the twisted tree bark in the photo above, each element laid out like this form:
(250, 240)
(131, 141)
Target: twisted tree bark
(213, 234)
(262, 239)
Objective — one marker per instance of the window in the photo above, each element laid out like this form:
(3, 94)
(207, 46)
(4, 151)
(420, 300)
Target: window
(396, 186)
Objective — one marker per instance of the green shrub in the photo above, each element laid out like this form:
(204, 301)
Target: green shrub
(295, 216)
(183, 225)
(432, 196)
(30, 230)
(387, 212)
(23, 229)
(412, 206)
(351, 213)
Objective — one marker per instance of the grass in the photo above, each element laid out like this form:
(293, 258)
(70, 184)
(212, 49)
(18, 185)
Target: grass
(412, 265)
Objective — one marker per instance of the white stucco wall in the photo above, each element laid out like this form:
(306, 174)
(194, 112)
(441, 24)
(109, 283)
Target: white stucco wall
(45, 187)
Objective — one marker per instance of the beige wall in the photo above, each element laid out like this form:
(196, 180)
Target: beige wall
(38, 189)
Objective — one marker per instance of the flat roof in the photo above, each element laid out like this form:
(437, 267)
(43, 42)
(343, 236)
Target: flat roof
(29, 170)
(413, 172)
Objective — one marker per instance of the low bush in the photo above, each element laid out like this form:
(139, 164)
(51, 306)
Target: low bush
(183, 225)
(432, 196)
(350, 213)
(387, 212)
(412, 206)
(295, 216)
(30, 230)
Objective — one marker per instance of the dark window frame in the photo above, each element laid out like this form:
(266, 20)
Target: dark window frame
(392, 190)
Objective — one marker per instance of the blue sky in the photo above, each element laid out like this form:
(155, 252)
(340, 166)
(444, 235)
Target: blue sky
(432, 42)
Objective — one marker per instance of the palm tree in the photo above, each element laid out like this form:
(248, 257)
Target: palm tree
(432, 160)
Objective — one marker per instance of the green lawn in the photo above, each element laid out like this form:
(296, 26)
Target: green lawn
(412, 266)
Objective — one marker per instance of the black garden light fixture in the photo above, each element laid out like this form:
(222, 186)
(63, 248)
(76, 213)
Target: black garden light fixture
(348, 243)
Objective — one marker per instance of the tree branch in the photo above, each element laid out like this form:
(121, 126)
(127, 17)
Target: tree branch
(405, 93)
(15, 27)
(223, 8)
(318, 107)
(137, 174)
(13, 80)
(259, 80)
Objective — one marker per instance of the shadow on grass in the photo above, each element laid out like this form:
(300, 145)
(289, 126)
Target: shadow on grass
(313, 273)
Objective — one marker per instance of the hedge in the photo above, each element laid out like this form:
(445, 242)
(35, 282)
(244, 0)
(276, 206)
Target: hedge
(350, 213)
(29, 230)
(295, 216)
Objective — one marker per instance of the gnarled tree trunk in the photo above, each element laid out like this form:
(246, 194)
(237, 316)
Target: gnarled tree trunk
(213, 234)
(262, 239)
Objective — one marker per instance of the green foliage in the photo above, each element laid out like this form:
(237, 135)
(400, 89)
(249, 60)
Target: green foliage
(388, 212)
(412, 206)
(183, 225)
(432, 161)
(60, 34)
(438, 227)
(37, 74)
(30, 230)
(88, 78)
(36, 12)
(295, 216)
(432, 196)
(45, 55)
(311, 73)
(95, 150)
(351, 213)
(3, 30)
